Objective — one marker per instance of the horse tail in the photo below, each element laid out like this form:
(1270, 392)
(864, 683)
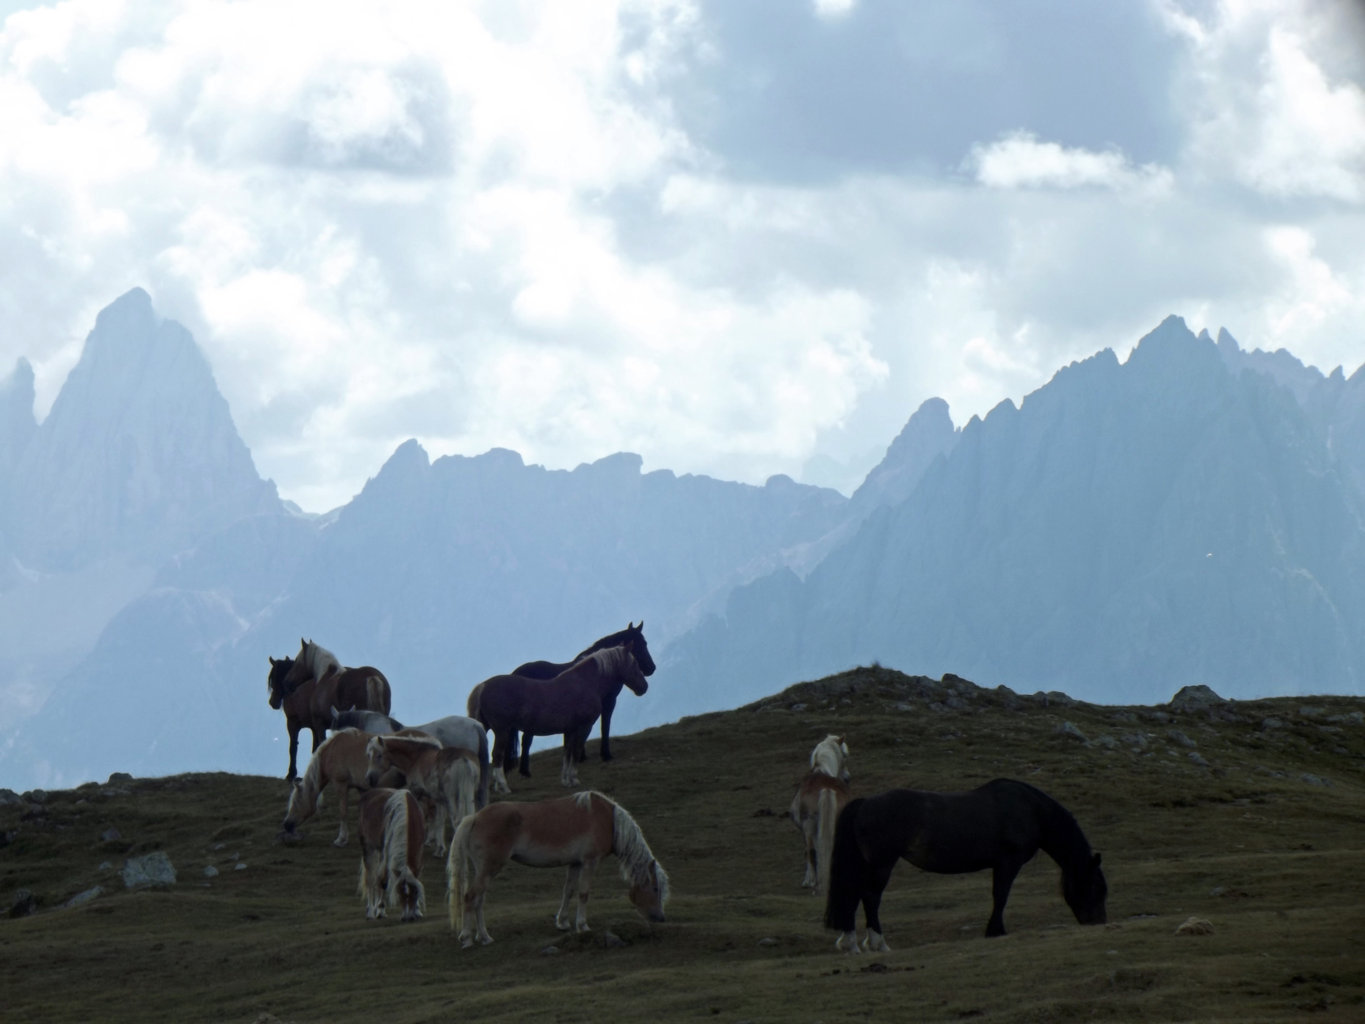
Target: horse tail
(845, 873)
(464, 780)
(460, 871)
(378, 695)
(826, 813)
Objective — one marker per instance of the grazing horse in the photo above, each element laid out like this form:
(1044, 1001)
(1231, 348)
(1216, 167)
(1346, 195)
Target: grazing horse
(307, 699)
(632, 636)
(392, 831)
(569, 703)
(451, 731)
(1000, 826)
(447, 776)
(819, 798)
(340, 762)
(570, 831)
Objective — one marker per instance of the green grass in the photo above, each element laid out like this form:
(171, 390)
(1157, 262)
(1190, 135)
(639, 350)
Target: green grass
(1274, 861)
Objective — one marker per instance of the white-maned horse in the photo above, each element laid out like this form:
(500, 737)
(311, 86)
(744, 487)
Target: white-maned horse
(392, 831)
(819, 798)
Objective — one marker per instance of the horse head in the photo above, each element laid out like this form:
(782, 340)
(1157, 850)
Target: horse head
(277, 681)
(635, 640)
(377, 757)
(649, 893)
(630, 672)
(1085, 890)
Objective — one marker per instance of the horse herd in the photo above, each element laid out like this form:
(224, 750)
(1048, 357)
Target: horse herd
(420, 783)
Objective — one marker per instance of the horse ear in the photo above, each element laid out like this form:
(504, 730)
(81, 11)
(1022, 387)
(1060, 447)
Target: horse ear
(270, 659)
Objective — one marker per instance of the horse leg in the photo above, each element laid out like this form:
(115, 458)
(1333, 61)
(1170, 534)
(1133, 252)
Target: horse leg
(294, 728)
(525, 767)
(584, 884)
(500, 762)
(808, 830)
(319, 734)
(875, 884)
(608, 706)
(343, 837)
(1002, 878)
(570, 893)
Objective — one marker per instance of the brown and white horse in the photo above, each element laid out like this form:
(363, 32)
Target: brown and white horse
(340, 762)
(309, 686)
(447, 776)
(392, 832)
(819, 798)
(575, 832)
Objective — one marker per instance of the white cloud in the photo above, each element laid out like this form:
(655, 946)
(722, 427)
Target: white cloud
(1021, 160)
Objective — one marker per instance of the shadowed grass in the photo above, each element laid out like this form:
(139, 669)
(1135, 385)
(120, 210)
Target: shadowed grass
(1263, 839)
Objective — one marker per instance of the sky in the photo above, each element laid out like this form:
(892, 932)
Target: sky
(737, 238)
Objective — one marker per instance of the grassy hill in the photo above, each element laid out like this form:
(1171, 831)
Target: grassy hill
(1246, 814)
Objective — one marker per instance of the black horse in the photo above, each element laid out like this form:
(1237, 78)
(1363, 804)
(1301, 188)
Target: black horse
(632, 636)
(1000, 826)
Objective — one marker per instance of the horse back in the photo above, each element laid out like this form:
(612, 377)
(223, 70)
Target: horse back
(363, 688)
(947, 833)
(564, 830)
(373, 803)
(540, 669)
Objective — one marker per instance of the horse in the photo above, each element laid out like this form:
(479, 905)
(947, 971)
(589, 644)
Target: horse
(632, 636)
(447, 776)
(307, 698)
(569, 703)
(340, 761)
(1000, 826)
(392, 832)
(451, 731)
(575, 832)
(820, 797)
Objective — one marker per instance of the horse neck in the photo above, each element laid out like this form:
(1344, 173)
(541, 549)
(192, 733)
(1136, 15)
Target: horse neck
(629, 845)
(1061, 837)
(298, 700)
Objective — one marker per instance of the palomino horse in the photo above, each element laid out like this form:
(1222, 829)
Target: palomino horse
(340, 762)
(1000, 826)
(570, 831)
(392, 832)
(632, 636)
(819, 799)
(451, 731)
(447, 776)
(308, 698)
(569, 703)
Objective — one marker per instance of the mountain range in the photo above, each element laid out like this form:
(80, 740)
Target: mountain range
(1192, 514)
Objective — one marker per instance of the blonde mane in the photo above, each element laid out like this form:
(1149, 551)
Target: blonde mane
(829, 757)
(632, 852)
(396, 850)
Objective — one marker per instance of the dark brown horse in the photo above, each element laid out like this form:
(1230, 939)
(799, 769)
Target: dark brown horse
(309, 686)
(632, 636)
(569, 704)
(1000, 826)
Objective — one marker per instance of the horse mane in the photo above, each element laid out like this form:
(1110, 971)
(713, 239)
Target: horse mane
(1070, 848)
(830, 749)
(611, 659)
(628, 843)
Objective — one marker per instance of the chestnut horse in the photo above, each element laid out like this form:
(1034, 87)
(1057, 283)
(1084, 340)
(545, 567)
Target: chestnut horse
(340, 762)
(575, 832)
(819, 799)
(450, 731)
(632, 636)
(309, 686)
(392, 831)
(447, 776)
(569, 703)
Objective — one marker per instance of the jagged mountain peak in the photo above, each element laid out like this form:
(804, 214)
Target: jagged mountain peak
(139, 453)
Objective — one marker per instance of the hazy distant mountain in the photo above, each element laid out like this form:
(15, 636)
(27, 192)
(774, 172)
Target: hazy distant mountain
(1130, 529)
(138, 456)
(1193, 515)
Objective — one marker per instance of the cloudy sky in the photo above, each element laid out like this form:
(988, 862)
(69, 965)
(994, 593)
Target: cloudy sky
(738, 237)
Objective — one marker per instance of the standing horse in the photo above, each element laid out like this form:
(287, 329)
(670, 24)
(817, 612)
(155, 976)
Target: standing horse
(1000, 826)
(569, 831)
(451, 731)
(447, 776)
(392, 831)
(307, 697)
(819, 798)
(569, 703)
(632, 636)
